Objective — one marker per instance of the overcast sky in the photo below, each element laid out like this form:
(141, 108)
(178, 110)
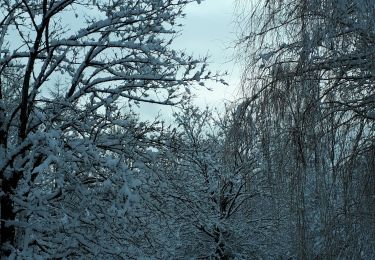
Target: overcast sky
(208, 31)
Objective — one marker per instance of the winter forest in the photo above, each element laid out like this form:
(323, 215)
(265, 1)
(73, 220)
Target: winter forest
(286, 170)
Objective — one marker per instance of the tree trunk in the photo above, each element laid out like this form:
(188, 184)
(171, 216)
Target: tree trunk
(7, 234)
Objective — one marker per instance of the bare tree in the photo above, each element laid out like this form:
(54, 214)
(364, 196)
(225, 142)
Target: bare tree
(308, 82)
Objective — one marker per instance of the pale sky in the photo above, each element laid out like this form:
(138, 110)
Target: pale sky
(208, 31)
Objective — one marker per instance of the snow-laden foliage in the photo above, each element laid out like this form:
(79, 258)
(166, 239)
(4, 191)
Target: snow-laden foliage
(72, 151)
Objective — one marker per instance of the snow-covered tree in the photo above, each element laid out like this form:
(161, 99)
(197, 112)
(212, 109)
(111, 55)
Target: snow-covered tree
(71, 149)
(203, 199)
